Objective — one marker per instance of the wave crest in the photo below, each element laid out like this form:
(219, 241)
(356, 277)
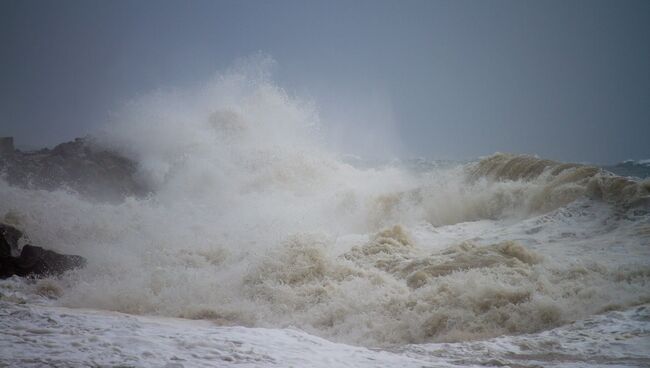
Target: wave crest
(466, 291)
(562, 181)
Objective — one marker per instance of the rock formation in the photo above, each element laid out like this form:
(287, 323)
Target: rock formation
(31, 261)
(80, 166)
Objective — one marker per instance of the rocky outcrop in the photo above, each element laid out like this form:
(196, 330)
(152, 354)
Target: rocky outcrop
(7, 146)
(80, 166)
(9, 237)
(31, 260)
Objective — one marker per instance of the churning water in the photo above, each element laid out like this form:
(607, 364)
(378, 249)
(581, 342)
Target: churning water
(252, 221)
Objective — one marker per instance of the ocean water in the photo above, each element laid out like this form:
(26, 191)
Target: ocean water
(259, 246)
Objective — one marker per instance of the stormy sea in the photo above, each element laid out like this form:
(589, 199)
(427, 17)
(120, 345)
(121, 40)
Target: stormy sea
(219, 229)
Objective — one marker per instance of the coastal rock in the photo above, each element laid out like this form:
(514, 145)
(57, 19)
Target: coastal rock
(81, 166)
(9, 237)
(32, 261)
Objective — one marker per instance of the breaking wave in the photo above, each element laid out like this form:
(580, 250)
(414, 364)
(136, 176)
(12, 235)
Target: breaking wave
(253, 221)
(389, 291)
(563, 182)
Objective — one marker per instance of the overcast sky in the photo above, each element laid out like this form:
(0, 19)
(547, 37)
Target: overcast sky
(567, 80)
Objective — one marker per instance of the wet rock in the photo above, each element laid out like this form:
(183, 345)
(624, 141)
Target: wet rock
(6, 146)
(81, 166)
(42, 262)
(33, 261)
(9, 237)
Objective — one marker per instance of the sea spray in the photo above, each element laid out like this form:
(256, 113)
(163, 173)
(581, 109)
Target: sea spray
(253, 221)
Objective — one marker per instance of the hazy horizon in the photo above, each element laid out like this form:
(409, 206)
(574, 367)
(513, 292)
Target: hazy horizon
(567, 80)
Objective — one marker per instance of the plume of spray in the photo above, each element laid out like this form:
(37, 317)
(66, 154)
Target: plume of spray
(245, 220)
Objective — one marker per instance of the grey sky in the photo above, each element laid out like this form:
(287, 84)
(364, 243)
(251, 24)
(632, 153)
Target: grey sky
(567, 80)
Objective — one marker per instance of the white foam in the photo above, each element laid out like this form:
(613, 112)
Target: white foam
(37, 336)
(255, 222)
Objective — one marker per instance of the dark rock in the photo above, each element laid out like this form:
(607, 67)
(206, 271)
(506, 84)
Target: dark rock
(37, 261)
(81, 166)
(6, 146)
(7, 268)
(33, 261)
(9, 237)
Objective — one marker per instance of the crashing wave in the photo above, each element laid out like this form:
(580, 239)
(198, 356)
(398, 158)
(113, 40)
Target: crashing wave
(390, 291)
(251, 220)
(561, 180)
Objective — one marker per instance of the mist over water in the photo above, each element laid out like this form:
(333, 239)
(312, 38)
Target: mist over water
(253, 220)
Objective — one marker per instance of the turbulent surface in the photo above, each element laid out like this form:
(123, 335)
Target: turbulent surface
(252, 221)
(37, 336)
